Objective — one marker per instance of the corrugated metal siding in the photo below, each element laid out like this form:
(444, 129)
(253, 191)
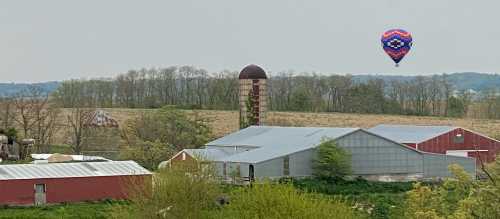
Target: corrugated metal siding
(436, 165)
(244, 169)
(68, 170)
(301, 163)
(375, 155)
(270, 168)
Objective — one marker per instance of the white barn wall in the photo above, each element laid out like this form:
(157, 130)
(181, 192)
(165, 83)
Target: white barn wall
(301, 163)
(270, 168)
(373, 155)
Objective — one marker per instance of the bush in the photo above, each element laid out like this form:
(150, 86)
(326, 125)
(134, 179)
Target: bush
(379, 199)
(332, 161)
(281, 201)
(183, 191)
(350, 187)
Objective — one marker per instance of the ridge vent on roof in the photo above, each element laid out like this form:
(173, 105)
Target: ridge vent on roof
(313, 133)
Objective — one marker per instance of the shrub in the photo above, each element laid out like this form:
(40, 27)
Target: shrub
(332, 161)
(281, 201)
(182, 191)
(379, 199)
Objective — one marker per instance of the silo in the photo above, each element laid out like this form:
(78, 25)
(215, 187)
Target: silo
(252, 96)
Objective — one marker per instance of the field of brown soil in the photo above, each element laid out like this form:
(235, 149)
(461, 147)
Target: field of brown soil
(224, 122)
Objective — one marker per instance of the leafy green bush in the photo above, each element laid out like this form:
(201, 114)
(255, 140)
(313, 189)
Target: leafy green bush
(282, 201)
(350, 187)
(332, 161)
(379, 199)
(458, 197)
(182, 191)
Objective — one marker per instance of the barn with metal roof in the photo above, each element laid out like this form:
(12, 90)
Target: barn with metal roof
(36, 184)
(273, 152)
(449, 140)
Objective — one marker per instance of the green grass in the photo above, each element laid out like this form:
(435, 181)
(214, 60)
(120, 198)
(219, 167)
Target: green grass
(75, 210)
(61, 149)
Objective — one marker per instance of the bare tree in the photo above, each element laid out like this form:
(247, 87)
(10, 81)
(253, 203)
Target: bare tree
(36, 116)
(79, 120)
(6, 111)
(45, 127)
(25, 107)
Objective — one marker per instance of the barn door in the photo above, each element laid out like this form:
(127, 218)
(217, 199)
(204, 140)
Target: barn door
(251, 173)
(40, 194)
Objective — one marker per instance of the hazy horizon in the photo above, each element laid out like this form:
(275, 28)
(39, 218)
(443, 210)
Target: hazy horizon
(58, 40)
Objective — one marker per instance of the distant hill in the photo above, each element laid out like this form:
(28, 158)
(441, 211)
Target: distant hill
(461, 81)
(9, 89)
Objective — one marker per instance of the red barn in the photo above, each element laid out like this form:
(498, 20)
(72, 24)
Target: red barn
(442, 139)
(38, 184)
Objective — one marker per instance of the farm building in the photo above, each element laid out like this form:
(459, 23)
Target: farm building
(274, 152)
(443, 140)
(37, 184)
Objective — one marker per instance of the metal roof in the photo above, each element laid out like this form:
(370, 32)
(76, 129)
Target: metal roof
(410, 133)
(276, 136)
(71, 170)
(276, 141)
(74, 157)
(207, 153)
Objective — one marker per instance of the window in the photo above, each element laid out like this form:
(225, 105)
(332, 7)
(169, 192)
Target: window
(458, 139)
(39, 188)
(183, 156)
(286, 165)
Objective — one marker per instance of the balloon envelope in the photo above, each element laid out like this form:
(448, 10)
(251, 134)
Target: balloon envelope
(396, 43)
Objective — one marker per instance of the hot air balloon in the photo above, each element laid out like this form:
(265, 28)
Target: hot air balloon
(396, 43)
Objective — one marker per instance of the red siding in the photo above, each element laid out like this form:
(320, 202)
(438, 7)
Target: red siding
(21, 192)
(413, 145)
(472, 141)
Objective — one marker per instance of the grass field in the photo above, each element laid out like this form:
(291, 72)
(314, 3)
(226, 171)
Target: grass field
(224, 122)
(77, 211)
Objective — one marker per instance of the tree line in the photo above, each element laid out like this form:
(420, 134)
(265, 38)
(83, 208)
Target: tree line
(194, 88)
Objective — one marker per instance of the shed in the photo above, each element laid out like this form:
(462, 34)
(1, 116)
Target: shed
(38, 184)
(449, 140)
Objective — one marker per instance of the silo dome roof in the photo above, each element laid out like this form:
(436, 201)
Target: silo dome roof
(253, 72)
